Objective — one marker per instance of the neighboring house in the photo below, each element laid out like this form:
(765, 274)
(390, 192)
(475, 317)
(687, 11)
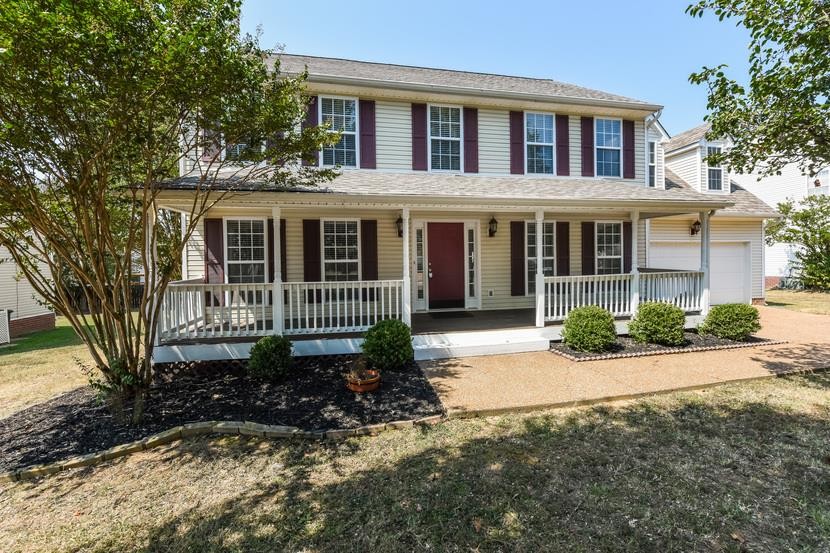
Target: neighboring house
(25, 307)
(737, 231)
(467, 202)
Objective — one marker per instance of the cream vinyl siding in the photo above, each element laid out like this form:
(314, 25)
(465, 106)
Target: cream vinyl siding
(393, 135)
(16, 294)
(493, 142)
(575, 145)
(639, 152)
(686, 166)
(195, 253)
(723, 230)
(642, 244)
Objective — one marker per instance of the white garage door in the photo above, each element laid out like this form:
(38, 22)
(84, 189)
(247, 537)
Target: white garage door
(730, 279)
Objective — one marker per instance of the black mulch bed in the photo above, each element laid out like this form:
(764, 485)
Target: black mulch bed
(314, 397)
(627, 347)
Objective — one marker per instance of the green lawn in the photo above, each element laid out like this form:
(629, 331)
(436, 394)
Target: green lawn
(38, 366)
(737, 468)
(800, 300)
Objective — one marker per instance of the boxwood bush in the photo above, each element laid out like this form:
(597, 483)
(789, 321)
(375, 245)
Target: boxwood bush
(733, 321)
(589, 328)
(658, 323)
(271, 358)
(388, 345)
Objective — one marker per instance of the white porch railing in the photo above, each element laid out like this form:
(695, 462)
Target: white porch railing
(611, 292)
(680, 288)
(345, 306)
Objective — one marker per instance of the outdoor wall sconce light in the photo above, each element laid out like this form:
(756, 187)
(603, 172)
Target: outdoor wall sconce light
(399, 226)
(695, 228)
(492, 227)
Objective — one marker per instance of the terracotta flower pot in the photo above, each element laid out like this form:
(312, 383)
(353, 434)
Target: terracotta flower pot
(368, 383)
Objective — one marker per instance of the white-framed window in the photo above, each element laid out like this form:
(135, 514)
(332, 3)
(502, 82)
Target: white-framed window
(548, 253)
(341, 249)
(471, 262)
(609, 248)
(714, 171)
(341, 115)
(539, 143)
(608, 143)
(246, 244)
(445, 138)
(652, 163)
(823, 177)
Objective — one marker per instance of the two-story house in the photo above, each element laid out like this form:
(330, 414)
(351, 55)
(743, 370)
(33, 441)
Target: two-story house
(790, 184)
(479, 209)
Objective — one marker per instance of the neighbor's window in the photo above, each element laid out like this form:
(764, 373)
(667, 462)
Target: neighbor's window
(445, 138)
(341, 115)
(340, 250)
(609, 248)
(652, 164)
(715, 171)
(548, 252)
(608, 136)
(245, 239)
(539, 138)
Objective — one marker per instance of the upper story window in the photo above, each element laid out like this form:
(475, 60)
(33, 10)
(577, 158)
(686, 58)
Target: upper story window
(548, 252)
(539, 140)
(652, 164)
(714, 172)
(609, 248)
(445, 138)
(341, 256)
(341, 115)
(245, 250)
(608, 137)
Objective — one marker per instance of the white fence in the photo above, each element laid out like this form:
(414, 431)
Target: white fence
(5, 330)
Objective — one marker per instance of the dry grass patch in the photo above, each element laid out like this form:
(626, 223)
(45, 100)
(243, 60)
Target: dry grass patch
(800, 300)
(40, 366)
(740, 467)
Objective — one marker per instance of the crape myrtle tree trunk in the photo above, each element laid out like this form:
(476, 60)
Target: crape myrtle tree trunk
(100, 101)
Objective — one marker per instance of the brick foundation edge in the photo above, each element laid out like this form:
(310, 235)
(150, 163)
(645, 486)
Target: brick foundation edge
(27, 325)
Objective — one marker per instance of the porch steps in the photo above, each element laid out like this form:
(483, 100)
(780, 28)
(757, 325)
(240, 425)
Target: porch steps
(481, 342)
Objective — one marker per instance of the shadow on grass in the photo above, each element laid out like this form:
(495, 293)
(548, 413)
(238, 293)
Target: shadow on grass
(58, 337)
(686, 475)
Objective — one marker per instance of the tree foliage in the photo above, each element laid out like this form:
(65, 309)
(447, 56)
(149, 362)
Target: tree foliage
(782, 115)
(100, 101)
(807, 227)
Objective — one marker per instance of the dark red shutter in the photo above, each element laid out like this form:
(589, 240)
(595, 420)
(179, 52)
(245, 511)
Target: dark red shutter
(587, 124)
(270, 252)
(517, 143)
(369, 249)
(628, 149)
(470, 140)
(311, 121)
(283, 252)
(626, 237)
(563, 161)
(311, 250)
(214, 251)
(563, 248)
(368, 158)
(212, 146)
(588, 261)
(517, 258)
(419, 137)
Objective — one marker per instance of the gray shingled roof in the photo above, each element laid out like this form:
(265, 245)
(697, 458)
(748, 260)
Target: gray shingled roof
(320, 69)
(687, 137)
(746, 203)
(373, 183)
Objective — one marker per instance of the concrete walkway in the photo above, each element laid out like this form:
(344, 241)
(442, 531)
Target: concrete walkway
(527, 381)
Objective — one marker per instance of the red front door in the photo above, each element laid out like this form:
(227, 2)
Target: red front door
(445, 257)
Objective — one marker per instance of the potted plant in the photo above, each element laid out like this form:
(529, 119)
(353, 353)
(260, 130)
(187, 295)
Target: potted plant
(361, 378)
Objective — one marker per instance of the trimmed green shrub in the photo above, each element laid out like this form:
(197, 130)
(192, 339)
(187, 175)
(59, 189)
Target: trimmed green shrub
(589, 328)
(271, 358)
(658, 323)
(388, 345)
(733, 321)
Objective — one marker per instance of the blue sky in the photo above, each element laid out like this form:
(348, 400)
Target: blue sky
(638, 48)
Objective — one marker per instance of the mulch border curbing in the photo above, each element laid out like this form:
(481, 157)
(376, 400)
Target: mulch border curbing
(178, 433)
(667, 351)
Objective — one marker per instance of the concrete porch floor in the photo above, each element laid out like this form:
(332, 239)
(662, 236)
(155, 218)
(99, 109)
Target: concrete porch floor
(464, 321)
(527, 381)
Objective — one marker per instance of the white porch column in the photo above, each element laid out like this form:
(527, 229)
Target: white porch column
(277, 314)
(705, 246)
(540, 272)
(185, 267)
(635, 265)
(407, 281)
